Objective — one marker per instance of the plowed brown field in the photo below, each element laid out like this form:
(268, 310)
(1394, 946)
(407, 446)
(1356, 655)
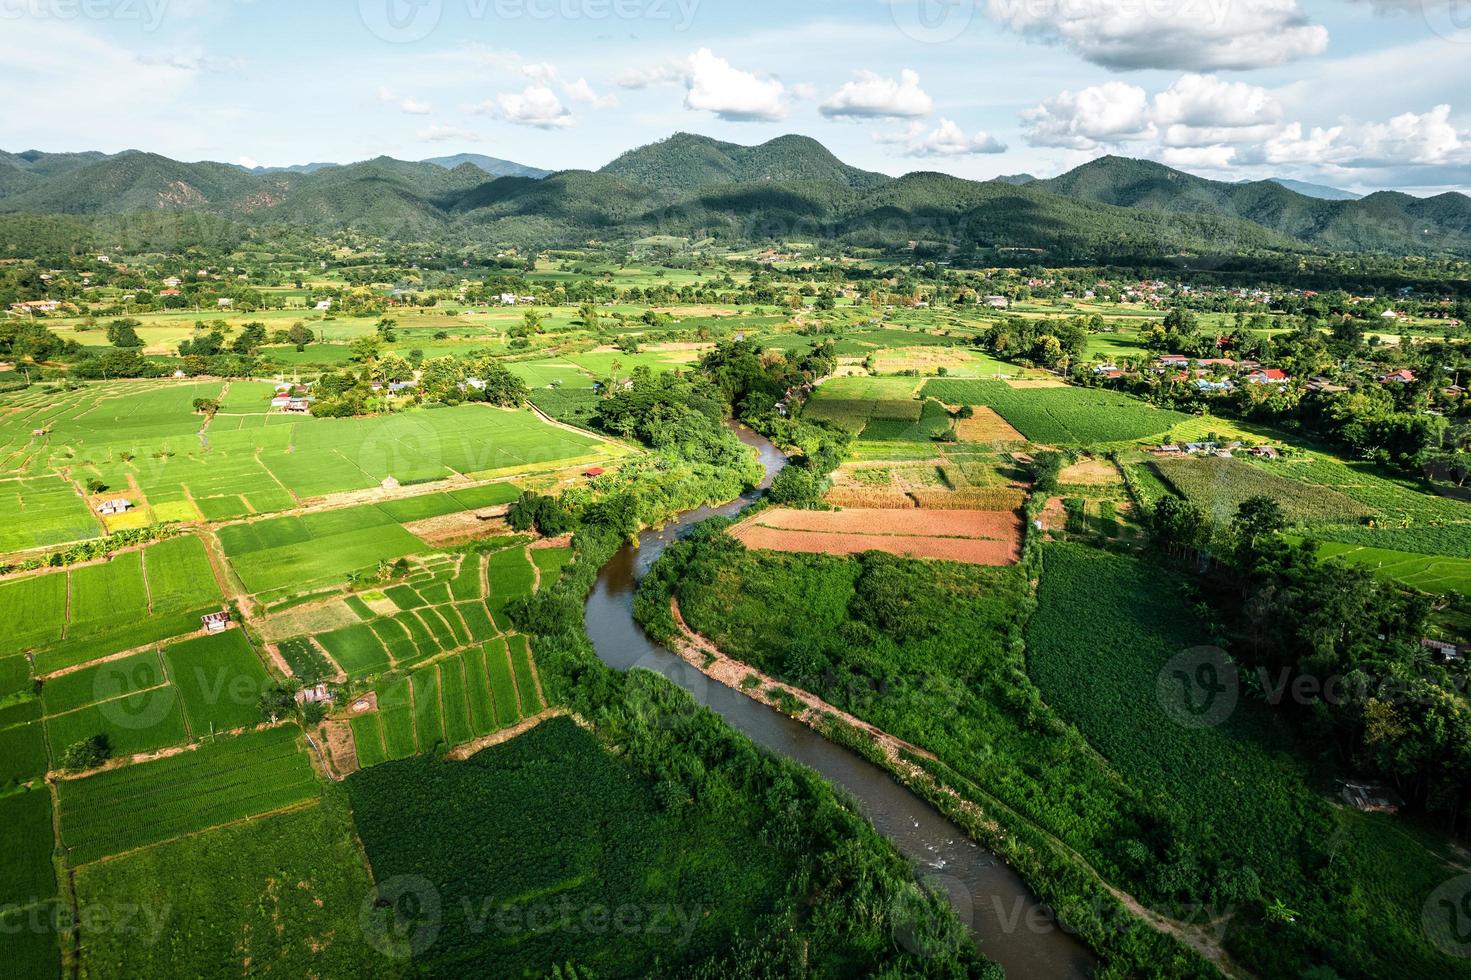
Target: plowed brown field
(980, 537)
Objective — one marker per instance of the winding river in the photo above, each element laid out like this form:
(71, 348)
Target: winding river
(1002, 914)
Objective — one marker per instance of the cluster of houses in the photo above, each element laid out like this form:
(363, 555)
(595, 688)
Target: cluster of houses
(293, 399)
(511, 299)
(1224, 450)
(1207, 374)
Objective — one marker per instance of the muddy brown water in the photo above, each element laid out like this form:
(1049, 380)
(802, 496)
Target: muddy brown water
(1006, 918)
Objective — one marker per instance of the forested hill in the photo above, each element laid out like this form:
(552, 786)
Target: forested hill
(691, 187)
(1382, 222)
(686, 162)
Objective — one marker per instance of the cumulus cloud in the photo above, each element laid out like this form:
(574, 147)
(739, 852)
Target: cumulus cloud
(1107, 114)
(536, 105)
(871, 96)
(405, 104)
(1200, 35)
(713, 85)
(945, 140)
(1196, 111)
(1427, 139)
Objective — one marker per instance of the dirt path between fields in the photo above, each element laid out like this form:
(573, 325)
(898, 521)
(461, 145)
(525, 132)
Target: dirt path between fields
(462, 752)
(703, 654)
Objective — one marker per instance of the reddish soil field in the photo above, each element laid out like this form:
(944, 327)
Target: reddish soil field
(975, 536)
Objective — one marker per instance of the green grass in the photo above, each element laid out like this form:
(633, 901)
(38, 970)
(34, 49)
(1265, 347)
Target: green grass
(217, 783)
(367, 737)
(395, 637)
(453, 694)
(477, 689)
(281, 894)
(220, 680)
(135, 723)
(22, 752)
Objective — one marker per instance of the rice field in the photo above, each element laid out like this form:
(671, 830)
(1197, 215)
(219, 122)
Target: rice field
(217, 783)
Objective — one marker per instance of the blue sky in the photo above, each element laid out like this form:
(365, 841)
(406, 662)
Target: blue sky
(1363, 94)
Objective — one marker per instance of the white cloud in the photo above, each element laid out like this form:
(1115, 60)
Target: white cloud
(1107, 114)
(581, 92)
(945, 140)
(1427, 139)
(249, 163)
(447, 134)
(713, 85)
(640, 78)
(1196, 111)
(1194, 35)
(872, 96)
(405, 104)
(536, 105)
(541, 73)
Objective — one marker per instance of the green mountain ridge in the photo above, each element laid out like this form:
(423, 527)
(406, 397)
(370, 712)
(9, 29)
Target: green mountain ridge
(788, 189)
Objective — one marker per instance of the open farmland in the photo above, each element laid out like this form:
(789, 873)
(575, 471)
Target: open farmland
(40, 511)
(1219, 487)
(852, 402)
(1106, 629)
(68, 618)
(220, 782)
(291, 553)
(976, 537)
(501, 819)
(147, 444)
(1433, 574)
(1059, 416)
(281, 893)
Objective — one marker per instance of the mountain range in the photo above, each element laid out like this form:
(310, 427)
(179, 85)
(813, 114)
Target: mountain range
(789, 189)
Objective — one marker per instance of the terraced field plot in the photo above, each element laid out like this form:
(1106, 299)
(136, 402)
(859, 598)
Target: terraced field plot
(1060, 416)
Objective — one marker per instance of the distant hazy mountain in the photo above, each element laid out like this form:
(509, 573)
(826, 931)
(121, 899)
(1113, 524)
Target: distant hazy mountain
(1017, 180)
(1386, 221)
(790, 188)
(494, 166)
(1321, 191)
